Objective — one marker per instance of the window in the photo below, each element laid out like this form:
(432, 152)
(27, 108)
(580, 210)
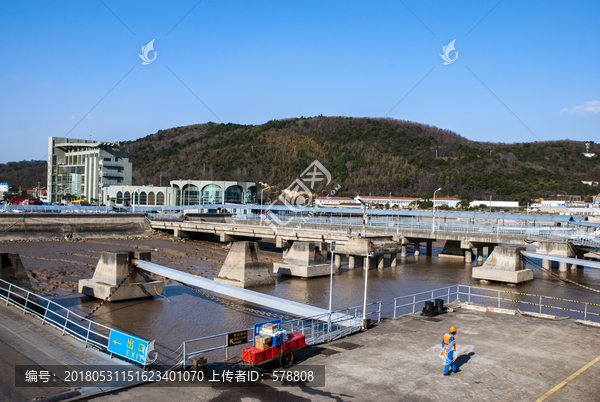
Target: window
(119, 197)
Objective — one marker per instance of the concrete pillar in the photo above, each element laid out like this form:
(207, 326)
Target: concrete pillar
(563, 267)
(546, 264)
(393, 260)
(491, 250)
(176, 232)
(553, 264)
(351, 262)
(479, 254)
(468, 257)
(403, 251)
(429, 247)
(417, 247)
(574, 267)
(338, 261)
(380, 261)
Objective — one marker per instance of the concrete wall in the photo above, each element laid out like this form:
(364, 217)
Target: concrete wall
(32, 226)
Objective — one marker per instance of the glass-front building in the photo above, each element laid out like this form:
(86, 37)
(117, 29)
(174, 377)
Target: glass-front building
(185, 193)
(82, 169)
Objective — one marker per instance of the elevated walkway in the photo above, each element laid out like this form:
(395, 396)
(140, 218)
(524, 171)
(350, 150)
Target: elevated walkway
(272, 302)
(567, 260)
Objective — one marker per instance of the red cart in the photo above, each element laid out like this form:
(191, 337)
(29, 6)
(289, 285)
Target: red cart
(283, 352)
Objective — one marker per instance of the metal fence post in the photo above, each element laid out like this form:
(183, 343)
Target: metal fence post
(585, 312)
(414, 302)
(46, 312)
(184, 355)
(8, 294)
(66, 321)
(540, 304)
(25, 305)
(88, 334)
(498, 299)
(395, 303)
(469, 294)
(448, 301)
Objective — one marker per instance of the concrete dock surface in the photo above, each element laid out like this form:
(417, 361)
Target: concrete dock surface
(25, 341)
(499, 358)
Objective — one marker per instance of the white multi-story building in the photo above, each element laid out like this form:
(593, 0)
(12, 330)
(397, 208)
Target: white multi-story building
(496, 205)
(82, 168)
(3, 189)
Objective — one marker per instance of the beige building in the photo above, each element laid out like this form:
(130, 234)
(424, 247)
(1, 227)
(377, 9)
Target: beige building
(80, 169)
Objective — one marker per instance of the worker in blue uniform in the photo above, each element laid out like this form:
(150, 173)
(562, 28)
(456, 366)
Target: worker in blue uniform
(448, 348)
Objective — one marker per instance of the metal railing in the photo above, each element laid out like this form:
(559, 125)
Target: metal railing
(541, 231)
(498, 297)
(317, 329)
(68, 322)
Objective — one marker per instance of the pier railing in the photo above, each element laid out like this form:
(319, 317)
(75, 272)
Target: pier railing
(498, 298)
(68, 322)
(391, 224)
(317, 329)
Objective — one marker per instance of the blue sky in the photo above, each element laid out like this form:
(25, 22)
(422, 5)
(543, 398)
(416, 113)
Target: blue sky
(526, 71)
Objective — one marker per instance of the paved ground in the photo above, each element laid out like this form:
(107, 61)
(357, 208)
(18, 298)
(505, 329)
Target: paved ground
(500, 357)
(24, 341)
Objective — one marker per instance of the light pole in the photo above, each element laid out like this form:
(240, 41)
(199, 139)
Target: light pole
(261, 203)
(331, 282)
(364, 325)
(138, 200)
(188, 192)
(433, 215)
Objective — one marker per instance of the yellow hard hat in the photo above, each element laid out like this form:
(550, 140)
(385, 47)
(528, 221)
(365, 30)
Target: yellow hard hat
(453, 330)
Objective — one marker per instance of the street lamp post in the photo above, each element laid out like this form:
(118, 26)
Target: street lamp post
(433, 215)
(261, 203)
(138, 199)
(331, 282)
(367, 255)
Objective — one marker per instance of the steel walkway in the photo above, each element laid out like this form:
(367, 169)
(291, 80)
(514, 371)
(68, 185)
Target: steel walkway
(568, 260)
(272, 302)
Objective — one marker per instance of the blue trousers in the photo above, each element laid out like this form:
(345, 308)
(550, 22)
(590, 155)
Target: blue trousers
(449, 362)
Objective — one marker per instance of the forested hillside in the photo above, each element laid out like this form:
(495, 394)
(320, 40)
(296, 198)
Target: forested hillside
(364, 155)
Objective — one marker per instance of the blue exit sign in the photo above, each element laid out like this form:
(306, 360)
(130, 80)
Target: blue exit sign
(128, 346)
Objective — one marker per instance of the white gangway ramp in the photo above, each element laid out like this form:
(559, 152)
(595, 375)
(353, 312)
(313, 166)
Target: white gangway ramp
(272, 302)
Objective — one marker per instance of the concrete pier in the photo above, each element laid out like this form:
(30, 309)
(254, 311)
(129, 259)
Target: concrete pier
(244, 267)
(112, 269)
(417, 247)
(504, 265)
(429, 248)
(306, 260)
(380, 261)
(480, 254)
(337, 262)
(394, 260)
(351, 262)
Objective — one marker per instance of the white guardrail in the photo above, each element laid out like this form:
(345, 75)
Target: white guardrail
(68, 322)
(410, 304)
(316, 330)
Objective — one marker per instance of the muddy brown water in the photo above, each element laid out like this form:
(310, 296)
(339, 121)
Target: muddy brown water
(55, 267)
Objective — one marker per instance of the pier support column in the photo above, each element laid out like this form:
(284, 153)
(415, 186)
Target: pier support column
(546, 264)
(490, 250)
(417, 246)
(479, 254)
(403, 251)
(380, 261)
(563, 267)
(394, 260)
(429, 247)
(468, 256)
(351, 262)
(337, 261)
